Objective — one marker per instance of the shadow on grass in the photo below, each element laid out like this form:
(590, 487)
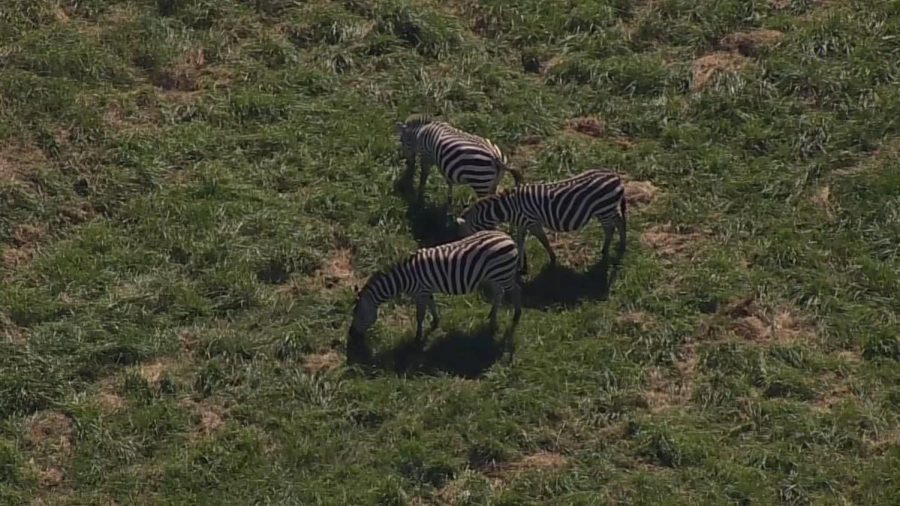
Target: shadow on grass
(430, 224)
(467, 354)
(561, 286)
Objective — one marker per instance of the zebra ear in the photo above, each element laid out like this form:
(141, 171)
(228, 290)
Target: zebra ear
(460, 221)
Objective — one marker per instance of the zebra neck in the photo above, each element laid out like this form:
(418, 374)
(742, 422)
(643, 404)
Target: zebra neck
(388, 286)
(505, 207)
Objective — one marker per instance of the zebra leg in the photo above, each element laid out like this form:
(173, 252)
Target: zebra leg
(520, 244)
(621, 225)
(608, 230)
(435, 319)
(516, 292)
(496, 299)
(538, 232)
(449, 193)
(423, 176)
(421, 306)
(510, 337)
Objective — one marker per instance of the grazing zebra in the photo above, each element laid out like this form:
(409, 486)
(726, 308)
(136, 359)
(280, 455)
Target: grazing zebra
(453, 268)
(464, 158)
(562, 206)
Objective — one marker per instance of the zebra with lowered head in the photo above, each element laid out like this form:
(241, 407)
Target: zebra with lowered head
(453, 268)
(464, 158)
(562, 206)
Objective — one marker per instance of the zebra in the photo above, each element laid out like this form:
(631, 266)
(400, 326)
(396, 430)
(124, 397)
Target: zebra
(464, 158)
(456, 267)
(562, 206)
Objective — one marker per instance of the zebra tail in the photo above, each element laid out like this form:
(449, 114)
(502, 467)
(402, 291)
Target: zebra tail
(623, 206)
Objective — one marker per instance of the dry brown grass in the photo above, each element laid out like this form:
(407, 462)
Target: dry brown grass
(51, 477)
(637, 319)
(748, 43)
(19, 158)
(750, 321)
(184, 73)
(337, 273)
(50, 431)
(321, 363)
(822, 200)
(210, 420)
(25, 239)
(540, 461)
(110, 402)
(589, 126)
(640, 194)
(665, 393)
(705, 68)
(667, 241)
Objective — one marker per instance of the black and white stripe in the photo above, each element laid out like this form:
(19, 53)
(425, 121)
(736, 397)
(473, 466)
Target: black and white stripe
(453, 268)
(463, 158)
(561, 206)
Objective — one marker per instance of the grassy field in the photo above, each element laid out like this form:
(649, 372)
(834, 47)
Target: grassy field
(191, 189)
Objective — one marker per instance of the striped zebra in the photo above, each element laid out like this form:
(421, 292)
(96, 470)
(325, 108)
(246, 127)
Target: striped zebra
(453, 268)
(464, 158)
(562, 206)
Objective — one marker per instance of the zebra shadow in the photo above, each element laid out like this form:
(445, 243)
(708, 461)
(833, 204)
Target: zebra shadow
(458, 352)
(430, 224)
(560, 286)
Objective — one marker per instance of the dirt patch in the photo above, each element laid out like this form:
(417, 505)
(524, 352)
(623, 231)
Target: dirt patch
(705, 68)
(550, 64)
(664, 393)
(822, 199)
(750, 321)
(779, 5)
(835, 396)
(143, 119)
(184, 73)
(51, 477)
(571, 250)
(540, 461)
(10, 332)
(886, 153)
(322, 363)
(153, 372)
(25, 239)
(589, 126)
(640, 194)
(188, 340)
(110, 402)
(748, 43)
(667, 241)
(157, 372)
(636, 319)
(336, 273)
(454, 492)
(15, 257)
(50, 430)
(17, 159)
(210, 420)
(28, 235)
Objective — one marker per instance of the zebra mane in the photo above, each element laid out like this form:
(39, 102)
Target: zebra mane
(418, 119)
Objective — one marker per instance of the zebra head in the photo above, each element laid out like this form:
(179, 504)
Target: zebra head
(485, 214)
(410, 128)
(364, 315)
